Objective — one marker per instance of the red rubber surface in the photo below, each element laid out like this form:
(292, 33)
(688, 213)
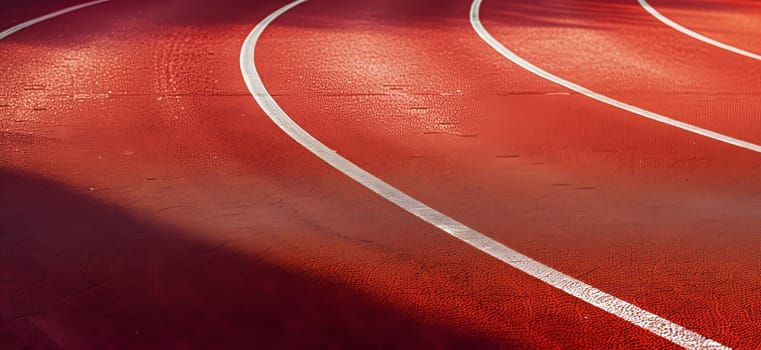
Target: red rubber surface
(736, 22)
(147, 202)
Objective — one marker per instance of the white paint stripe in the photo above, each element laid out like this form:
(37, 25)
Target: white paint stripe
(4, 34)
(475, 21)
(694, 34)
(664, 328)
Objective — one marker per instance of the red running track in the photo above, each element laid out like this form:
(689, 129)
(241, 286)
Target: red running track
(735, 22)
(147, 201)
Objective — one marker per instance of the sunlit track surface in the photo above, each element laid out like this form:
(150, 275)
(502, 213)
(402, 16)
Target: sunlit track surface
(669, 22)
(609, 303)
(147, 202)
(494, 43)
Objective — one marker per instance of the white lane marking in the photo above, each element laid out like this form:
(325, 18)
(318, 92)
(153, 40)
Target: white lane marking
(5, 33)
(475, 21)
(649, 321)
(694, 34)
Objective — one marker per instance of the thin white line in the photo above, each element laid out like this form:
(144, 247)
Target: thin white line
(696, 35)
(4, 34)
(475, 21)
(662, 327)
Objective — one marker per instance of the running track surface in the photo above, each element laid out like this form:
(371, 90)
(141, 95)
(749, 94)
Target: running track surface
(147, 201)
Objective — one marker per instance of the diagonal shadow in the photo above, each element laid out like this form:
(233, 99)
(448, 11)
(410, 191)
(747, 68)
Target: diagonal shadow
(78, 273)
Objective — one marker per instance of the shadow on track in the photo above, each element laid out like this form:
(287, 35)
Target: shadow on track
(78, 273)
(122, 17)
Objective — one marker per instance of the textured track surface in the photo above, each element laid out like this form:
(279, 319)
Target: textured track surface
(146, 201)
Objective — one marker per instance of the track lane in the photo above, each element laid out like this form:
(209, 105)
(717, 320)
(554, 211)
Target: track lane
(669, 22)
(231, 231)
(221, 156)
(735, 23)
(13, 12)
(589, 294)
(472, 136)
(494, 43)
(675, 76)
(10, 31)
(216, 190)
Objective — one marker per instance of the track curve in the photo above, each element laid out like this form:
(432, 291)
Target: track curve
(147, 201)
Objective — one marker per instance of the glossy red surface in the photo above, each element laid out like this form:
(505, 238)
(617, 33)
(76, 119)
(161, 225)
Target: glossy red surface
(147, 202)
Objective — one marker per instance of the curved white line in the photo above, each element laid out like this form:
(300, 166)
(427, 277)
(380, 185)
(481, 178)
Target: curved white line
(557, 279)
(4, 34)
(475, 21)
(694, 34)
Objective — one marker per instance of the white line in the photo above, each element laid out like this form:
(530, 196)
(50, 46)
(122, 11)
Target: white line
(694, 34)
(4, 34)
(475, 21)
(662, 327)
